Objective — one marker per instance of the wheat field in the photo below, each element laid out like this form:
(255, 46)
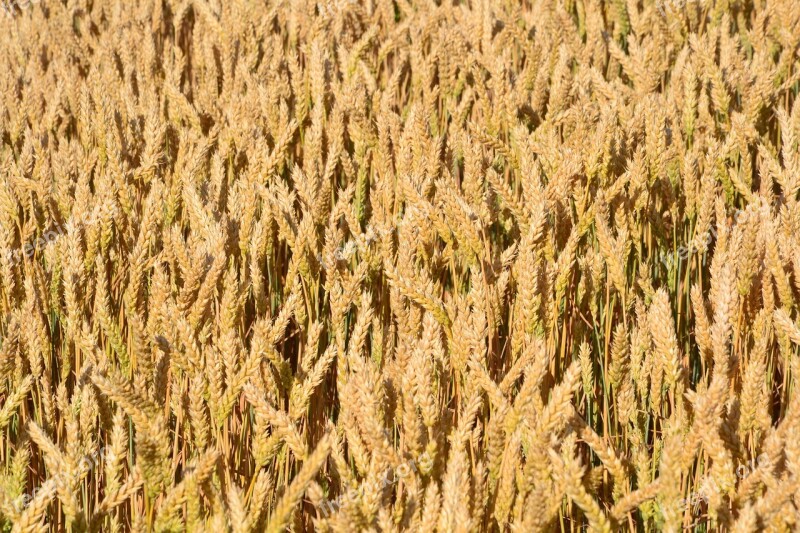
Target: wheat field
(399, 265)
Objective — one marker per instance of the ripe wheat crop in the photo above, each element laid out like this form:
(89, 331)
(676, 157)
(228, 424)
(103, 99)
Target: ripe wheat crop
(399, 265)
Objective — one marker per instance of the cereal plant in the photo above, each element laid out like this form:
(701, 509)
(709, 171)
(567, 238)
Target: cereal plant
(399, 265)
